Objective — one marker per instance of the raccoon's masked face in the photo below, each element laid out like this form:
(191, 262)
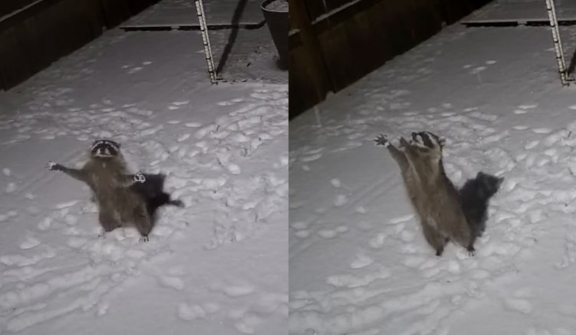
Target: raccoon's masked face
(427, 142)
(105, 149)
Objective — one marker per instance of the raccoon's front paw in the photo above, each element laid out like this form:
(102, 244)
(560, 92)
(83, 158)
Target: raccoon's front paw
(54, 166)
(404, 143)
(144, 239)
(382, 140)
(139, 177)
(471, 251)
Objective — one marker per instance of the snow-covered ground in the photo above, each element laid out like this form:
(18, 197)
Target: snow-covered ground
(358, 261)
(217, 266)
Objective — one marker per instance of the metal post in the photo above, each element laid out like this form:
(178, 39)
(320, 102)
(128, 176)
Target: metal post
(206, 41)
(557, 42)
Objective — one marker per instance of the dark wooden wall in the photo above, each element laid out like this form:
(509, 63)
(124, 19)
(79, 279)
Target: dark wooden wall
(331, 50)
(36, 36)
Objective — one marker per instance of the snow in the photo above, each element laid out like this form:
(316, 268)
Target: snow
(217, 266)
(362, 266)
(522, 11)
(174, 13)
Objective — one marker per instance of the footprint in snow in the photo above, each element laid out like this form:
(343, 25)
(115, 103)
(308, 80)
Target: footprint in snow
(327, 233)
(531, 145)
(542, 130)
(247, 324)
(29, 243)
(307, 159)
(377, 241)
(302, 233)
(340, 200)
(414, 261)
(401, 219)
(300, 225)
(478, 69)
(11, 187)
(361, 261)
(232, 290)
(190, 312)
(519, 305)
(135, 69)
(172, 282)
(351, 281)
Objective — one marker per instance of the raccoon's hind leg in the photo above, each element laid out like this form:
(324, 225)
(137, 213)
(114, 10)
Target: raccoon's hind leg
(142, 221)
(107, 221)
(74, 173)
(434, 238)
(466, 240)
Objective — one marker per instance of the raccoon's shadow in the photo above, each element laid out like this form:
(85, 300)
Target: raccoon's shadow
(152, 190)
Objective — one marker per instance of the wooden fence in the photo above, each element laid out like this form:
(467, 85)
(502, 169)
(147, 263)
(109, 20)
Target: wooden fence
(33, 34)
(333, 43)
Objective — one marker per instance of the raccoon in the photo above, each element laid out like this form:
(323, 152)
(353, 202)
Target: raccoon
(433, 196)
(107, 176)
(475, 195)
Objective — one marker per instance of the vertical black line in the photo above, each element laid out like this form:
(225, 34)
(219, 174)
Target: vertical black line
(233, 34)
(572, 65)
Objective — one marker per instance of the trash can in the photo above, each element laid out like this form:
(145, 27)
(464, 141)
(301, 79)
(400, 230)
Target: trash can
(276, 15)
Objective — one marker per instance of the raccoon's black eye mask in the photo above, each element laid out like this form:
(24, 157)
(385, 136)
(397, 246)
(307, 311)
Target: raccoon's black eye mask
(427, 139)
(111, 143)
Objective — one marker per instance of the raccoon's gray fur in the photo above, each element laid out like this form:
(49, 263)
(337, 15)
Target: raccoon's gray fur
(433, 196)
(107, 176)
(475, 195)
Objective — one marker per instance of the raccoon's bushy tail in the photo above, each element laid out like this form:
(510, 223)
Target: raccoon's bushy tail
(474, 198)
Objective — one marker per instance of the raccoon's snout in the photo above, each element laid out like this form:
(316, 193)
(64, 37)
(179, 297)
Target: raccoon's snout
(103, 152)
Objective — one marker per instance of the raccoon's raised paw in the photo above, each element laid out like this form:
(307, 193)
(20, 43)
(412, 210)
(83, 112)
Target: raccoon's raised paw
(382, 140)
(139, 177)
(404, 143)
(53, 166)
